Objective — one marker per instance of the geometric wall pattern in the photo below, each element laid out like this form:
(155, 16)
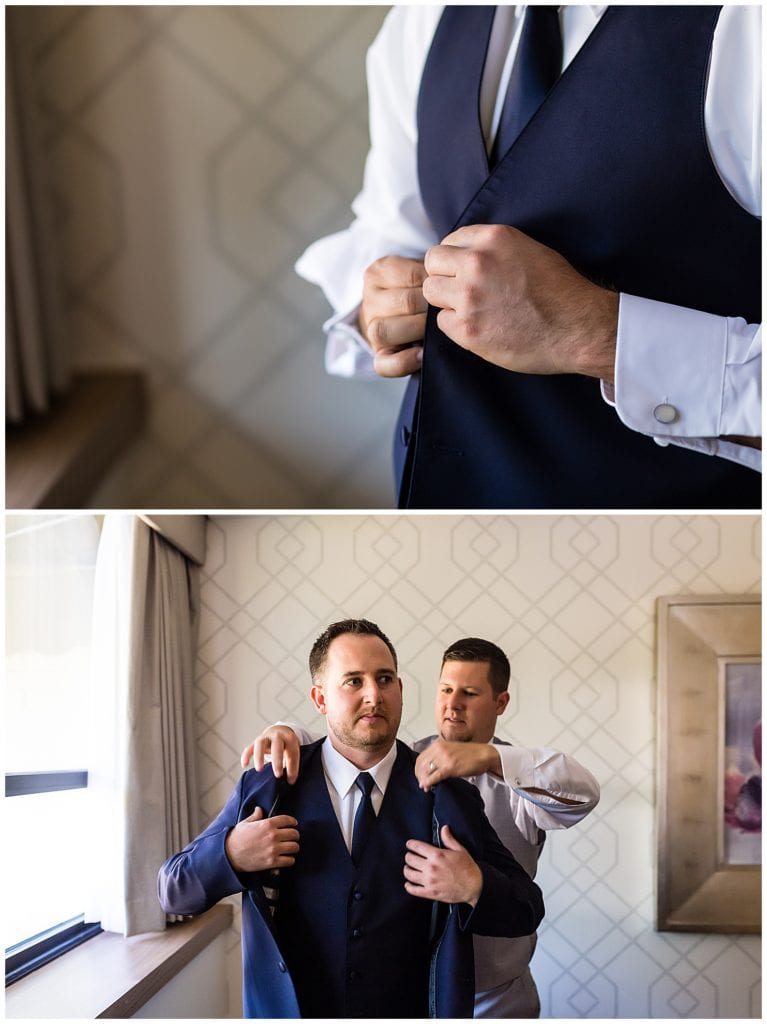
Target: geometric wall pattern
(572, 601)
(193, 153)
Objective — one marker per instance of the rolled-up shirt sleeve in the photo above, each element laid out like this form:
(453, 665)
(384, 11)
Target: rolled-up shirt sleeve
(559, 776)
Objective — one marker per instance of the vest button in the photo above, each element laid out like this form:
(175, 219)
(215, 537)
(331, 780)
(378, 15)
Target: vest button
(353, 975)
(356, 932)
(357, 895)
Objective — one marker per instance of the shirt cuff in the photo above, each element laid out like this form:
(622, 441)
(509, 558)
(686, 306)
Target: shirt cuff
(685, 377)
(742, 454)
(347, 354)
(669, 369)
(517, 765)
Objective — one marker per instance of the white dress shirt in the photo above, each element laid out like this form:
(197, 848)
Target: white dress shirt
(708, 367)
(526, 768)
(345, 795)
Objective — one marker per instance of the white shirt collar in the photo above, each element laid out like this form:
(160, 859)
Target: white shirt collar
(342, 774)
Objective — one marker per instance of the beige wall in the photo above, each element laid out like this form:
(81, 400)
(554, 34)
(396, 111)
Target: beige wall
(194, 153)
(572, 601)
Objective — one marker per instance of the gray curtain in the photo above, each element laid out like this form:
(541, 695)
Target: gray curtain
(143, 766)
(37, 364)
(162, 798)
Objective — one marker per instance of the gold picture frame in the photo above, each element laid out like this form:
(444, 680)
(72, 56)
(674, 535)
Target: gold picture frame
(701, 640)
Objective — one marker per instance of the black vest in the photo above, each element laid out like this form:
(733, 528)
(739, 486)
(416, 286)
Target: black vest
(614, 173)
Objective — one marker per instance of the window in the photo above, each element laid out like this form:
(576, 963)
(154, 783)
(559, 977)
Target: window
(50, 571)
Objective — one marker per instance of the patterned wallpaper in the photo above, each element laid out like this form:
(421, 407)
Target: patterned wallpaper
(572, 601)
(194, 152)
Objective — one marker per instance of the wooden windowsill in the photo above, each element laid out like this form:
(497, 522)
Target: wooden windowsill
(110, 976)
(57, 460)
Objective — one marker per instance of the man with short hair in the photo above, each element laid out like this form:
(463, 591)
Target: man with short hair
(329, 927)
(526, 791)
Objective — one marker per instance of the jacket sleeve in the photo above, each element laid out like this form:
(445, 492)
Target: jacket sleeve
(510, 904)
(200, 875)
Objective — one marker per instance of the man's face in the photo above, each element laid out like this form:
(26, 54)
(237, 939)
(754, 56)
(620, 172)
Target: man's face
(360, 693)
(466, 708)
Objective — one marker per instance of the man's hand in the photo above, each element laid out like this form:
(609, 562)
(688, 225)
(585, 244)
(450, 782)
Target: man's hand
(281, 743)
(258, 843)
(519, 304)
(449, 875)
(452, 759)
(393, 314)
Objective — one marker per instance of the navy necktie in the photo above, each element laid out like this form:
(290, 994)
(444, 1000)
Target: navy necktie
(364, 819)
(537, 66)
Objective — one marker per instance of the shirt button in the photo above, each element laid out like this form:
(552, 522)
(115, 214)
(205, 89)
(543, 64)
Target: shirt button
(404, 435)
(282, 967)
(665, 413)
(358, 895)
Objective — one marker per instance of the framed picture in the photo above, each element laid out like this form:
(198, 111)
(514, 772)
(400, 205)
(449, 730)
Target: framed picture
(709, 764)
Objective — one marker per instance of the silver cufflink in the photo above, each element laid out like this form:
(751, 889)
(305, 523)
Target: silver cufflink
(665, 413)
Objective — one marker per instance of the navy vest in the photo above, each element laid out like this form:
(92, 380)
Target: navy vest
(343, 943)
(614, 173)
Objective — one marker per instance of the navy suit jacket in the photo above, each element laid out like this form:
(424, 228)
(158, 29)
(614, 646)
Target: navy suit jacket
(196, 878)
